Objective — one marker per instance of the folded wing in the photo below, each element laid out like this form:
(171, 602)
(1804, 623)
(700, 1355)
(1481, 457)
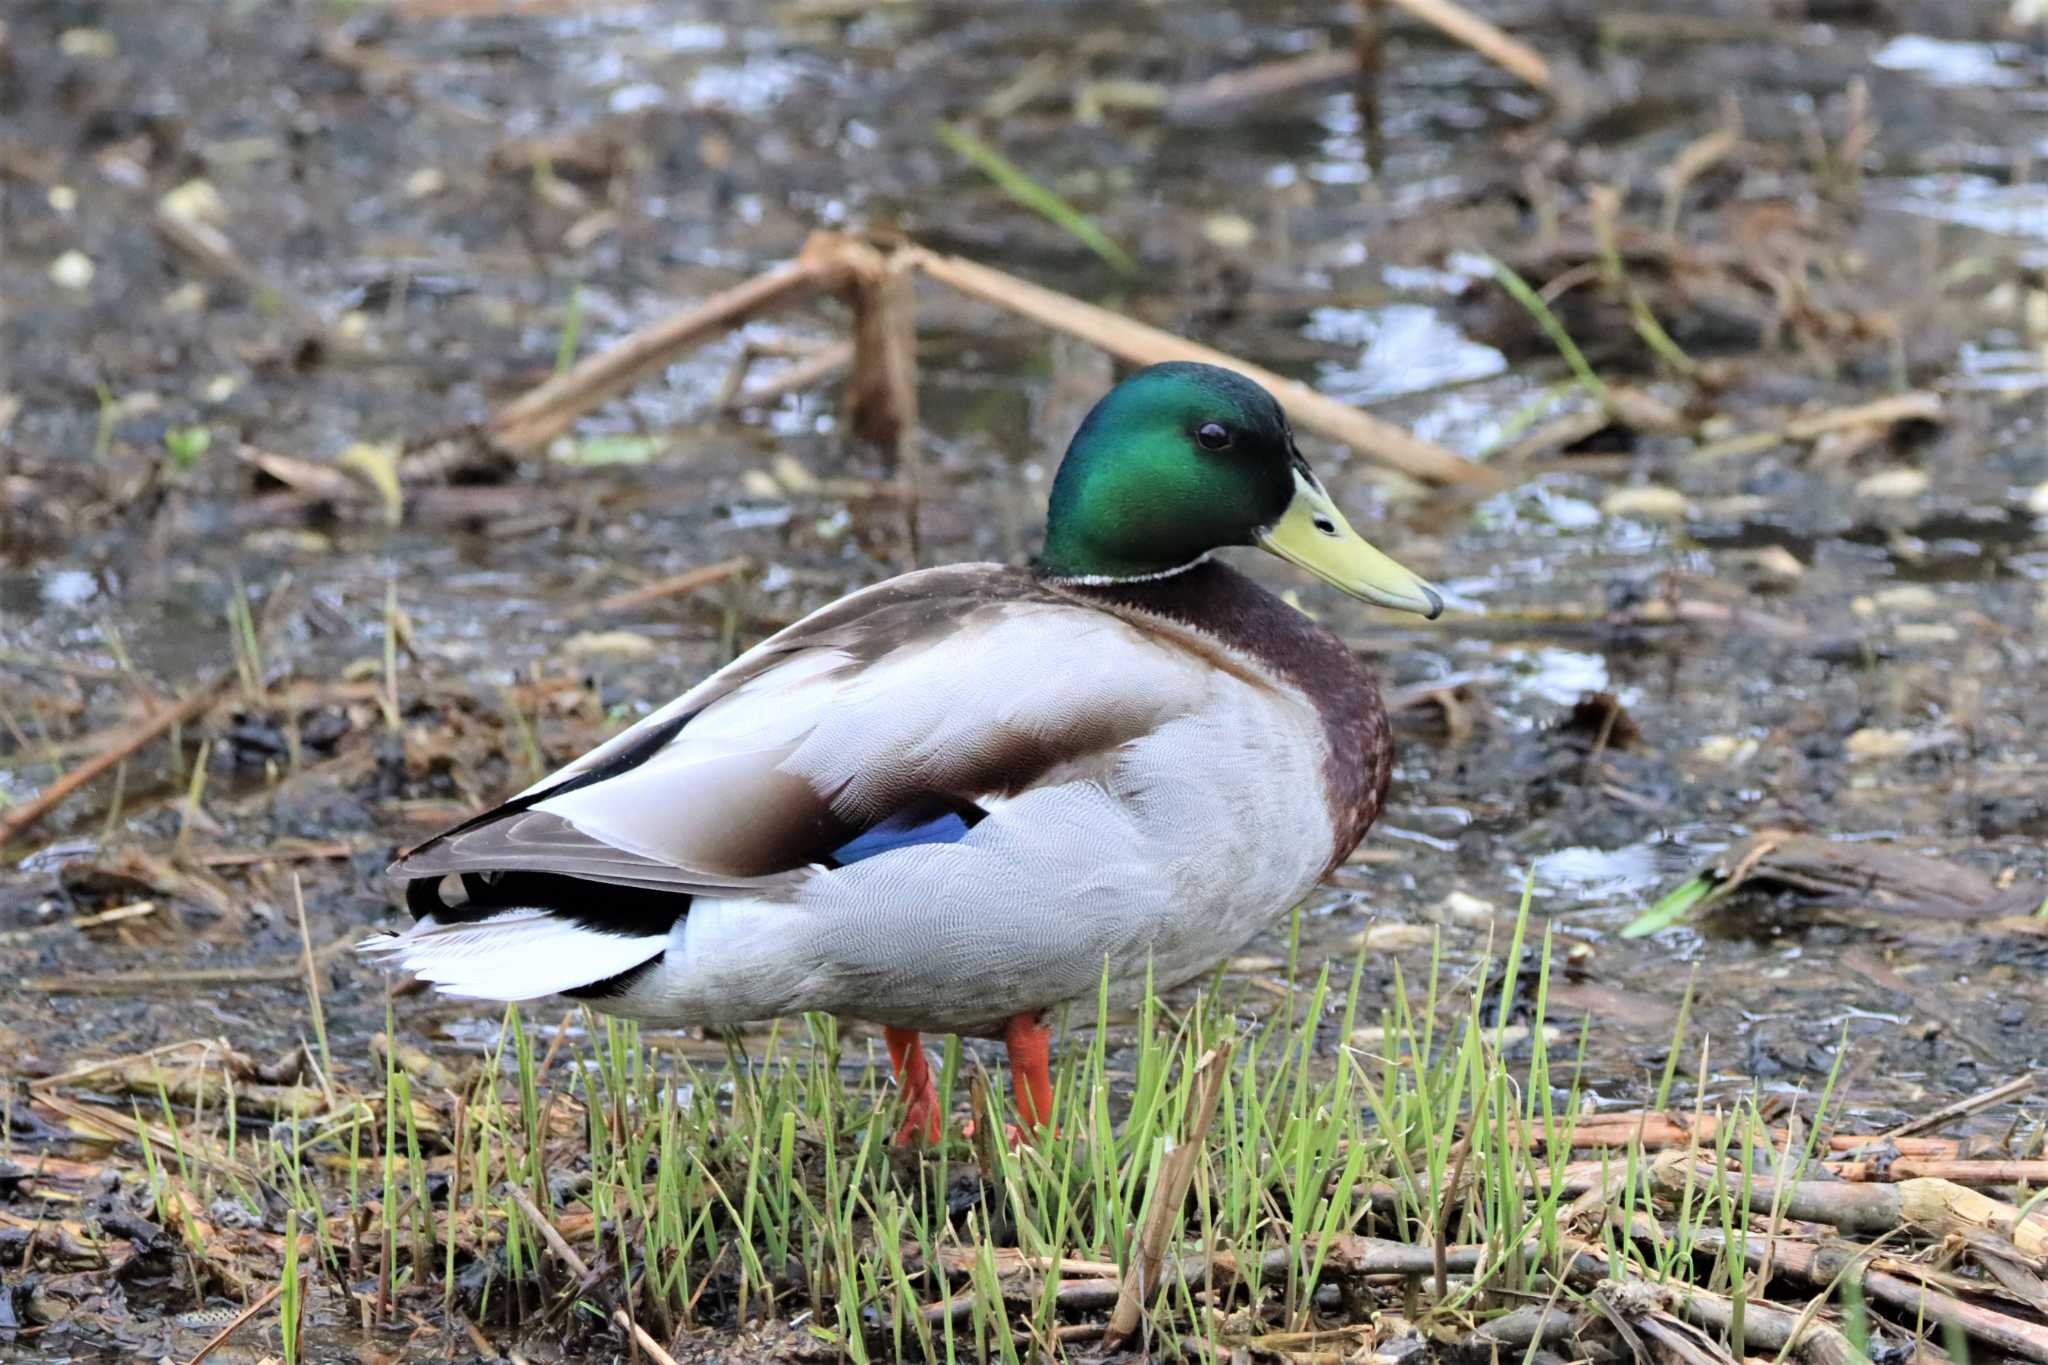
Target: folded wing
(874, 722)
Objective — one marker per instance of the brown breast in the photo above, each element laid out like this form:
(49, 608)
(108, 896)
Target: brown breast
(1216, 601)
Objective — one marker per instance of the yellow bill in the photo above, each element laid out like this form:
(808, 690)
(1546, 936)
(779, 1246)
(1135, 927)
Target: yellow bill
(1315, 535)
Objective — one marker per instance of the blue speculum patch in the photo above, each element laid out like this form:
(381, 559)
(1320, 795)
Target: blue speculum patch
(928, 822)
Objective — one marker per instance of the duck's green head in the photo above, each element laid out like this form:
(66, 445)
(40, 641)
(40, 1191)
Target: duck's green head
(1181, 460)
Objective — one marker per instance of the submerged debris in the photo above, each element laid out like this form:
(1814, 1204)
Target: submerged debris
(1833, 872)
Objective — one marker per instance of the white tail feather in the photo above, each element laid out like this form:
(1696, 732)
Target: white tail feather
(520, 954)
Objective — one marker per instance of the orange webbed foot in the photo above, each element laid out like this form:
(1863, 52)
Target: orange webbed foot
(924, 1112)
(1029, 1044)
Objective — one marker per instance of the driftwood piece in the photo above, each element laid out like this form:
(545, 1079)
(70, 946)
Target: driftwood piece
(1140, 344)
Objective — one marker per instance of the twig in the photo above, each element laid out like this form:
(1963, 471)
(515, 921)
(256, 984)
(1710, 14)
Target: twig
(118, 983)
(309, 478)
(530, 421)
(1962, 1108)
(1695, 158)
(675, 585)
(1077, 1296)
(1254, 84)
(1169, 1194)
(475, 1333)
(1875, 416)
(565, 1253)
(284, 850)
(133, 910)
(22, 658)
(211, 249)
(1345, 1256)
(1918, 406)
(1655, 1129)
(247, 1313)
(568, 1257)
(800, 374)
(122, 746)
(1145, 345)
(313, 992)
(1441, 1234)
(1973, 1173)
(1482, 37)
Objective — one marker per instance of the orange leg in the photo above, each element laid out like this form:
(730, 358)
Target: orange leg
(1029, 1043)
(924, 1115)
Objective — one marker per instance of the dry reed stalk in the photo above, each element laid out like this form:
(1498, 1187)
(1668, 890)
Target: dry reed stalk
(538, 416)
(122, 745)
(1510, 54)
(675, 585)
(1141, 344)
(1141, 1280)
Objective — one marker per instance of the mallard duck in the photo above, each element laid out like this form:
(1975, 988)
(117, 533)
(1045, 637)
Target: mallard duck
(949, 802)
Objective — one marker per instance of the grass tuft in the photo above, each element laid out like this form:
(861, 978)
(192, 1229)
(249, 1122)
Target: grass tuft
(1268, 1166)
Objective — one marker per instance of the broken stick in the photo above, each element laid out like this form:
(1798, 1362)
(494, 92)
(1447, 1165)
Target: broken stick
(1482, 37)
(1141, 1280)
(1141, 344)
(1254, 85)
(675, 585)
(537, 417)
(122, 746)
(802, 373)
(566, 1254)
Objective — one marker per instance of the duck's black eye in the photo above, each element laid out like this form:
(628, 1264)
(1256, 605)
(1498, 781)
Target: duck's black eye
(1213, 435)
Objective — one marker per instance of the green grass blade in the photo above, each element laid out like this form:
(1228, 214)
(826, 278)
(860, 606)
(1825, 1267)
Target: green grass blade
(1012, 180)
